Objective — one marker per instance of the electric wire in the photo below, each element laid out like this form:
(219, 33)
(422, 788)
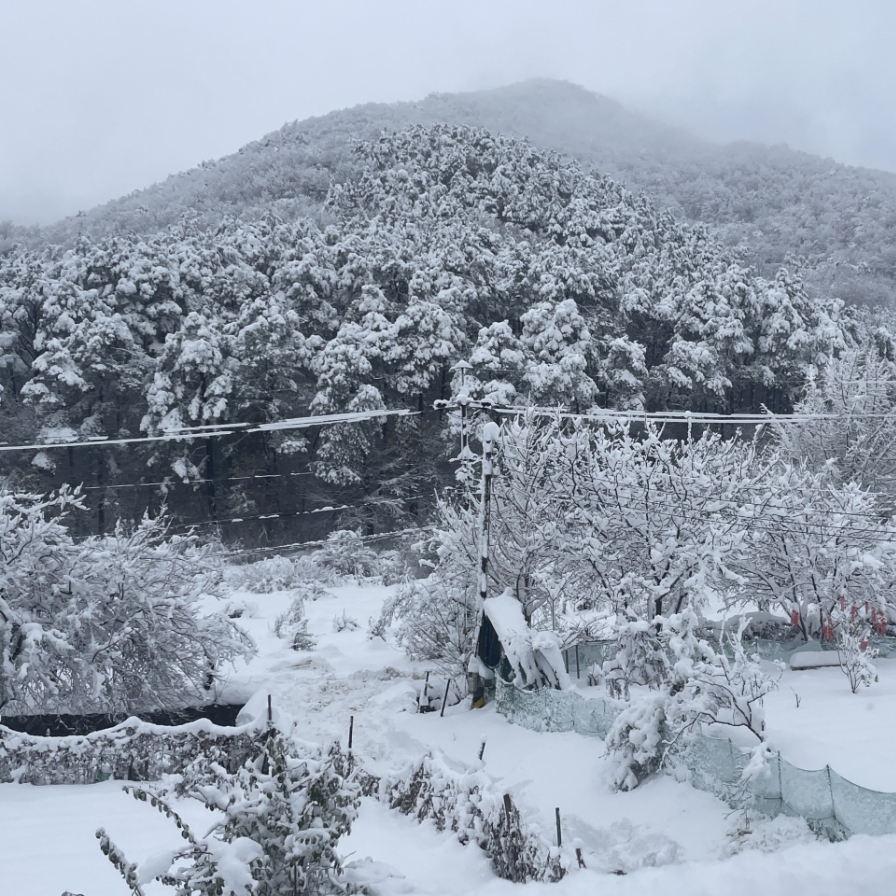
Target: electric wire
(193, 433)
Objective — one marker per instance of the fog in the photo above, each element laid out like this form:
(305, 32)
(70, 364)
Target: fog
(100, 97)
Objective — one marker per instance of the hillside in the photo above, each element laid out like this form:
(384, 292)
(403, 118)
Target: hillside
(834, 222)
(558, 286)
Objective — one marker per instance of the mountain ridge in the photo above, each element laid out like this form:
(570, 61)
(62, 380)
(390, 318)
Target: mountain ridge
(834, 223)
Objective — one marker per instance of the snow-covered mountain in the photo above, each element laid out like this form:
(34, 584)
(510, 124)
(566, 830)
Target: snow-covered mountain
(833, 221)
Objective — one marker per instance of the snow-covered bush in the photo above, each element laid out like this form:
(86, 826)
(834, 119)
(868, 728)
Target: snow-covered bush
(466, 801)
(637, 741)
(852, 633)
(292, 625)
(108, 624)
(436, 622)
(699, 686)
(392, 567)
(747, 832)
(277, 826)
(345, 553)
(640, 660)
(238, 607)
(280, 574)
(345, 623)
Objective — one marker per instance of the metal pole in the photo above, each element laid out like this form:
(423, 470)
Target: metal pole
(489, 435)
(445, 698)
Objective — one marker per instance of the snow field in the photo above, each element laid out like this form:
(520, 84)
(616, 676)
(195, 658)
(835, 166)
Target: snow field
(665, 836)
(853, 733)
(48, 846)
(48, 843)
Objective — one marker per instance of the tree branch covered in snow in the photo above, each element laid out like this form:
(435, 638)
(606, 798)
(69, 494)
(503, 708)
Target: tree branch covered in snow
(697, 686)
(278, 821)
(108, 624)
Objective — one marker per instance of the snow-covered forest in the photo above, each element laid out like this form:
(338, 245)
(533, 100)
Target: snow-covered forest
(568, 442)
(440, 245)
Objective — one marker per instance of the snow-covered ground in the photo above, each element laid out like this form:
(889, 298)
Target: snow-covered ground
(663, 837)
(853, 733)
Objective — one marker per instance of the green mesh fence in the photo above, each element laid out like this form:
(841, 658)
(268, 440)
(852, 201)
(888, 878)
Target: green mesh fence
(580, 657)
(826, 800)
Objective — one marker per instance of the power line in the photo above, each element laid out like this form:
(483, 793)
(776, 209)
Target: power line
(321, 541)
(170, 483)
(673, 416)
(294, 513)
(191, 433)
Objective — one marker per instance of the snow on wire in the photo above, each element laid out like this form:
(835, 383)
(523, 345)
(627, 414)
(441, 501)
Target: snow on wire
(226, 429)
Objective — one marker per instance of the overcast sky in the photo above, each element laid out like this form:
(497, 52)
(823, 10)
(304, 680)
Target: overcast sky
(101, 97)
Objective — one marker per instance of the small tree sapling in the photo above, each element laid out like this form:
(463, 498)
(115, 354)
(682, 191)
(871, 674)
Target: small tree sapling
(852, 632)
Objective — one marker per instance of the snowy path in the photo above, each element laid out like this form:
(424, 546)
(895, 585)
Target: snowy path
(350, 675)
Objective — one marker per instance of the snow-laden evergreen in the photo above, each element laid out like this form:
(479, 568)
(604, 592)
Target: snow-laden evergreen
(445, 244)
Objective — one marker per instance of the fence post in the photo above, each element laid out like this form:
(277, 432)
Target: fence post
(559, 834)
(445, 698)
(831, 792)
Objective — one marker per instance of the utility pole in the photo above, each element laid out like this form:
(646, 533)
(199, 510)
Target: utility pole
(490, 434)
(462, 400)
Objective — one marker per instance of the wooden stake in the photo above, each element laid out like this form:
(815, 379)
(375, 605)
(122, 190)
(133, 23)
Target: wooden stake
(270, 711)
(482, 750)
(578, 674)
(508, 806)
(559, 835)
(351, 730)
(424, 696)
(445, 698)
